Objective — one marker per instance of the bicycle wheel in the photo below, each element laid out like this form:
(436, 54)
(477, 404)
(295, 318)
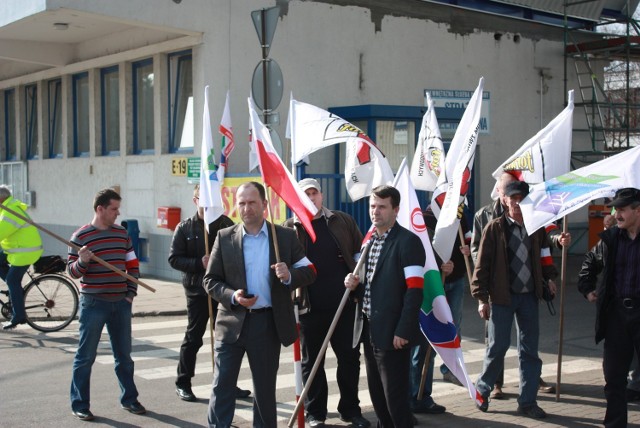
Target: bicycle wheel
(51, 302)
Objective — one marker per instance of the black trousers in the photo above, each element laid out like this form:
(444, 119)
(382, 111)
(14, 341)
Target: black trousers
(197, 318)
(314, 326)
(388, 379)
(622, 339)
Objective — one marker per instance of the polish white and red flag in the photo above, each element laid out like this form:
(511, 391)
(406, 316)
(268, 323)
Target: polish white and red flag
(276, 176)
(311, 129)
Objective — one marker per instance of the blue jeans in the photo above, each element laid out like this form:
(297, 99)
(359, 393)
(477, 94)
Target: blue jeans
(524, 307)
(94, 315)
(455, 295)
(12, 275)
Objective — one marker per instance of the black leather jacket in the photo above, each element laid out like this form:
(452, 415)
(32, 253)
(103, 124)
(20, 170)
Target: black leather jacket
(187, 250)
(600, 259)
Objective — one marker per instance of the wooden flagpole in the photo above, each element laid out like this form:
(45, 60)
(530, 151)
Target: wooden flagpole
(209, 303)
(563, 279)
(75, 247)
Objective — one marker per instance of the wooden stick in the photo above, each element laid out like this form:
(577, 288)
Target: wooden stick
(209, 303)
(425, 370)
(75, 247)
(563, 279)
(325, 344)
(467, 262)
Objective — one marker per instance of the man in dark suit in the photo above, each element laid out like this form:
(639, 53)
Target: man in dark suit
(255, 314)
(392, 296)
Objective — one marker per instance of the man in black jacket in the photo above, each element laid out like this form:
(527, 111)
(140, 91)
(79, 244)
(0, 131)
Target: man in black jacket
(393, 286)
(188, 255)
(337, 245)
(617, 299)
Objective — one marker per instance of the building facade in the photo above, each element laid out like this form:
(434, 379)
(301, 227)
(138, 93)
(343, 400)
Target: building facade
(100, 94)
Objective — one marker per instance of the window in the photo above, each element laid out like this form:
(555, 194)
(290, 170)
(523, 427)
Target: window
(143, 138)
(10, 124)
(396, 139)
(180, 102)
(81, 114)
(54, 114)
(110, 95)
(31, 121)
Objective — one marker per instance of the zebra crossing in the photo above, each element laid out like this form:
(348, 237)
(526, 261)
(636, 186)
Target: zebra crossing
(156, 346)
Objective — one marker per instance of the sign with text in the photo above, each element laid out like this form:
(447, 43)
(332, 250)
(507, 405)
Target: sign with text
(179, 166)
(458, 99)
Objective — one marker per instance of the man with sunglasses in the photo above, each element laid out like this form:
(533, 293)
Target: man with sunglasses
(617, 298)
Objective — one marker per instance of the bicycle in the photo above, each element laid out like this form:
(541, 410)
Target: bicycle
(50, 298)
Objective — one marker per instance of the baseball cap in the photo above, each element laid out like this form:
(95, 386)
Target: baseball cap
(516, 188)
(309, 183)
(624, 197)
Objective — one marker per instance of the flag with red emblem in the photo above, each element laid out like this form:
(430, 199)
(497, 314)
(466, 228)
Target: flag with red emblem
(436, 321)
(312, 128)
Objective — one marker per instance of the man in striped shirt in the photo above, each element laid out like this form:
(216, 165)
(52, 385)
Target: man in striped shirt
(105, 299)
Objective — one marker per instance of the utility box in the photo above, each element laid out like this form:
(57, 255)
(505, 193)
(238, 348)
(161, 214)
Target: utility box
(134, 233)
(596, 222)
(168, 217)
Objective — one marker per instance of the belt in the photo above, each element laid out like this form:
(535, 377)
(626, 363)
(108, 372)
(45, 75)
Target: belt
(259, 310)
(630, 302)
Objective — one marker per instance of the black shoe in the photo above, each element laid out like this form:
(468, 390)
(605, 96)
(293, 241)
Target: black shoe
(545, 387)
(185, 393)
(83, 415)
(10, 325)
(534, 411)
(313, 422)
(357, 421)
(450, 377)
(485, 404)
(135, 408)
(430, 409)
(632, 395)
(242, 393)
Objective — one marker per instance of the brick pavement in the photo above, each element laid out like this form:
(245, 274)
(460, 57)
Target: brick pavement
(581, 403)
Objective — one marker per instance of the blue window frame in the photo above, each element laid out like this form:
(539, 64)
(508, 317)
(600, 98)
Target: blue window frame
(31, 121)
(10, 125)
(81, 143)
(143, 123)
(110, 117)
(54, 115)
(180, 98)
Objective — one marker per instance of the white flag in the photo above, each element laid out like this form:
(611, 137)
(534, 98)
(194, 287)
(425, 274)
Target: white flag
(227, 144)
(448, 198)
(210, 195)
(545, 155)
(312, 129)
(436, 321)
(560, 196)
(428, 159)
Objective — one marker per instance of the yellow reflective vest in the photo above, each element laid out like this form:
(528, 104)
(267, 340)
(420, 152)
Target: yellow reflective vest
(19, 240)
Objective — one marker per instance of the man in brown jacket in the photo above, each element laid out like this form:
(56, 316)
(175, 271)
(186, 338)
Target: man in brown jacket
(507, 281)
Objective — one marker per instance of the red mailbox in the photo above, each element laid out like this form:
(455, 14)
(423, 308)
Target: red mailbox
(168, 217)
